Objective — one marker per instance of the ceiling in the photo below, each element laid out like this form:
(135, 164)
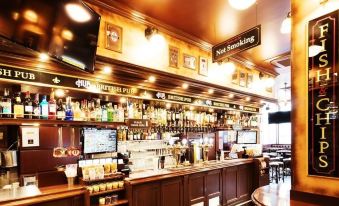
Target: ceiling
(214, 21)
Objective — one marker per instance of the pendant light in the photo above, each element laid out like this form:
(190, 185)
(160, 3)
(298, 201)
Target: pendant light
(286, 24)
(241, 4)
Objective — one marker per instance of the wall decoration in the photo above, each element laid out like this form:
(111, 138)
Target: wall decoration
(323, 127)
(189, 61)
(249, 81)
(269, 89)
(242, 79)
(235, 79)
(173, 56)
(203, 66)
(113, 37)
(30, 136)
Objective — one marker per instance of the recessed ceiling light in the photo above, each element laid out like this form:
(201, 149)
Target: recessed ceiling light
(168, 105)
(248, 99)
(107, 69)
(43, 57)
(151, 79)
(191, 108)
(231, 95)
(241, 4)
(210, 91)
(184, 86)
(210, 110)
(31, 16)
(77, 12)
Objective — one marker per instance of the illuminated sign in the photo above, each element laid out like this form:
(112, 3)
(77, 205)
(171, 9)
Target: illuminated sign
(322, 99)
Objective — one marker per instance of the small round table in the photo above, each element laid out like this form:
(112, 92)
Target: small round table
(275, 194)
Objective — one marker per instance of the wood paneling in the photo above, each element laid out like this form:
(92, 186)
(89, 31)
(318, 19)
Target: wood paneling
(214, 184)
(147, 194)
(172, 192)
(196, 188)
(230, 177)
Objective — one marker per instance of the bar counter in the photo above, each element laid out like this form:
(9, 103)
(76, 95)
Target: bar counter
(228, 182)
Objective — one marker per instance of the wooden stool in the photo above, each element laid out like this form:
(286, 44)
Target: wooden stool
(275, 171)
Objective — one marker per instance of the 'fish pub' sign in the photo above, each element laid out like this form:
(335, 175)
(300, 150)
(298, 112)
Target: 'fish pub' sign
(322, 96)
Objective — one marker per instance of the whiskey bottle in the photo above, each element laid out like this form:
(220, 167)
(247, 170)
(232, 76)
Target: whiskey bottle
(28, 106)
(18, 107)
(60, 110)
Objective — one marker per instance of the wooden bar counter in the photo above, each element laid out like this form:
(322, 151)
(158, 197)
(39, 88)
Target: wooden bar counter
(227, 182)
(59, 195)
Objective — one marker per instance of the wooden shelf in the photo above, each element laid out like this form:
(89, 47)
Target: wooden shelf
(118, 176)
(10, 121)
(120, 202)
(106, 192)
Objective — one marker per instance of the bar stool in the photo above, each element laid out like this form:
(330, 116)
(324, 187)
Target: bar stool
(274, 167)
(287, 166)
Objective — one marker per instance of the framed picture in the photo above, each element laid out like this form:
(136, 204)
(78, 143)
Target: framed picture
(242, 79)
(235, 79)
(189, 61)
(173, 56)
(29, 180)
(203, 66)
(250, 81)
(113, 37)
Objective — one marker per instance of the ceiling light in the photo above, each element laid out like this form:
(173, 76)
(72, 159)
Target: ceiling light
(314, 50)
(184, 86)
(210, 91)
(107, 69)
(168, 105)
(31, 16)
(191, 108)
(231, 95)
(248, 99)
(286, 24)
(210, 110)
(77, 12)
(241, 4)
(67, 34)
(43, 57)
(151, 79)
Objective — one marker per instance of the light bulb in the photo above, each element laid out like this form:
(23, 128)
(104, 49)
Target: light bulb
(77, 12)
(241, 4)
(286, 25)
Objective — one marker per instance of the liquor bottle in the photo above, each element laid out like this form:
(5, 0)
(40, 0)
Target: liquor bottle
(6, 105)
(28, 106)
(0, 107)
(93, 114)
(104, 116)
(36, 107)
(61, 114)
(110, 113)
(115, 113)
(98, 111)
(52, 107)
(77, 111)
(69, 109)
(18, 106)
(84, 110)
(44, 107)
(121, 112)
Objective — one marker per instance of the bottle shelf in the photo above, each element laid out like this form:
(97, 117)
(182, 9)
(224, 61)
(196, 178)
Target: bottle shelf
(119, 202)
(106, 192)
(36, 122)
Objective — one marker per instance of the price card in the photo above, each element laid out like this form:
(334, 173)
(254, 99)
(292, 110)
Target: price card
(30, 136)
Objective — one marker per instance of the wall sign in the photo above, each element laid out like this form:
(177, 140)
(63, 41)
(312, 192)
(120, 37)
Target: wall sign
(30, 136)
(28, 76)
(322, 97)
(138, 123)
(246, 40)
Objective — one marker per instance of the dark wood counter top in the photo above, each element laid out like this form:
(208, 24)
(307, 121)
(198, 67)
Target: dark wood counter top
(149, 176)
(48, 194)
